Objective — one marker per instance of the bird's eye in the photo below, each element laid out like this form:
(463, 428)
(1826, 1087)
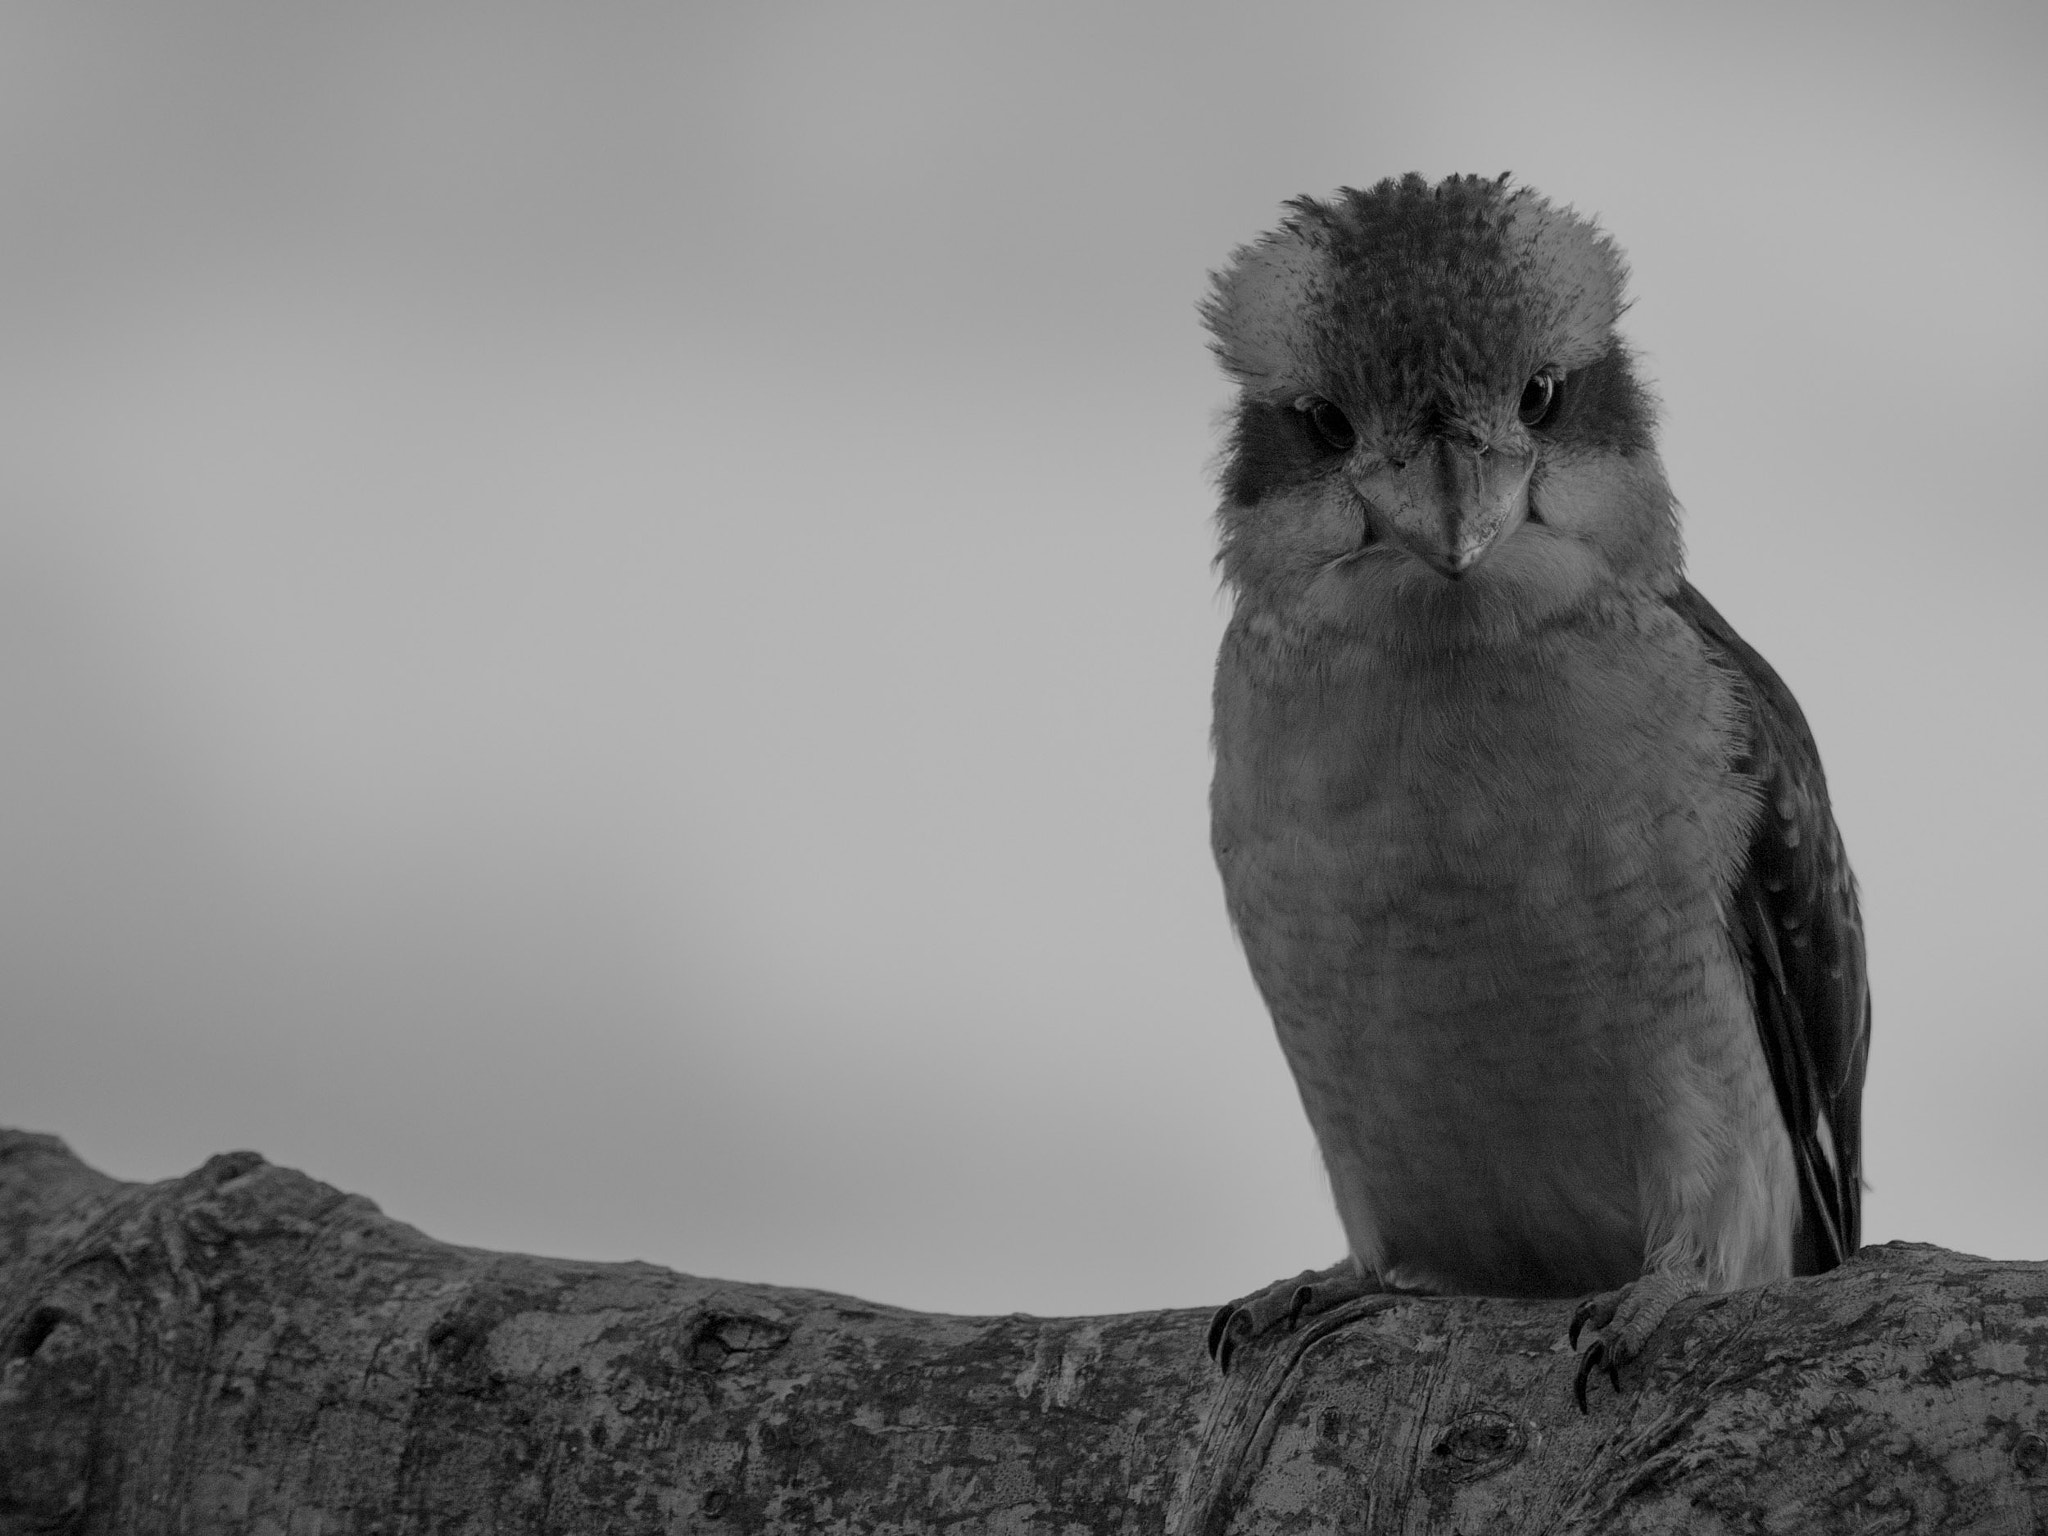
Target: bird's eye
(1539, 399)
(1331, 425)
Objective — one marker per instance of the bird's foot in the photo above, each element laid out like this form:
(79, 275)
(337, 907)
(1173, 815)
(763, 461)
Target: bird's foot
(1622, 1322)
(1283, 1305)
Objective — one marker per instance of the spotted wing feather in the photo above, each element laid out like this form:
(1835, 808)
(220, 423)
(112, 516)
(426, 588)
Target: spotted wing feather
(1801, 934)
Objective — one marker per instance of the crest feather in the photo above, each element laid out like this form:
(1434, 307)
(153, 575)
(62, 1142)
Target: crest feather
(1406, 288)
(1258, 304)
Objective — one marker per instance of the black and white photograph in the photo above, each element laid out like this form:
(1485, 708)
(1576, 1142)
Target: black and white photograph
(1004, 768)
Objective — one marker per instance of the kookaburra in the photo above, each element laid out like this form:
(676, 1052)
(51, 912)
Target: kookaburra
(1531, 855)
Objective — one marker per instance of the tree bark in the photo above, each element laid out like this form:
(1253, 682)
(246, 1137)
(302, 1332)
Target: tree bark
(247, 1350)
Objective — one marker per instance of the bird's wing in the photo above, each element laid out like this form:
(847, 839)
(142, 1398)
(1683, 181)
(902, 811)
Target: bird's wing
(1797, 924)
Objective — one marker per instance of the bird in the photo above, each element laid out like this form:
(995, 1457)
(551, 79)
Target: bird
(1530, 854)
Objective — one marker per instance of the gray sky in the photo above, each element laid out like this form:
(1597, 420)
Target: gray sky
(605, 615)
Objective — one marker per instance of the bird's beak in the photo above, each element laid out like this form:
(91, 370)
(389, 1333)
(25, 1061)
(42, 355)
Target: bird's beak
(1450, 504)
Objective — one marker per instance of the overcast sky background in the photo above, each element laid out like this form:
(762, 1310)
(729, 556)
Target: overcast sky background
(605, 613)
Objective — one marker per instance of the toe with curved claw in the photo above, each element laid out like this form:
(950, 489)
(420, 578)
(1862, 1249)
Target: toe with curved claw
(1282, 1306)
(1595, 1358)
(1597, 1310)
(1622, 1322)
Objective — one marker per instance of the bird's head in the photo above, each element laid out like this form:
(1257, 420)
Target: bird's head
(1438, 434)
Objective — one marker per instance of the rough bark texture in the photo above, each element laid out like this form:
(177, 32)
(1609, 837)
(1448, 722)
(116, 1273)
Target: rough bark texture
(247, 1350)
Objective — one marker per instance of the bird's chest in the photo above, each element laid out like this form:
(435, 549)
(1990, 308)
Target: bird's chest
(1483, 897)
(1511, 808)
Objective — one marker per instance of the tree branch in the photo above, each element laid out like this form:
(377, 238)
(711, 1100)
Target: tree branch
(245, 1349)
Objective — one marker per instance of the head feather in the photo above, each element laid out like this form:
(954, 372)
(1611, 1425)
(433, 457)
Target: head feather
(1391, 296)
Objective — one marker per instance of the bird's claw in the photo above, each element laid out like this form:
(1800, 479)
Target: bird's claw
(1597, 1310)
(1237, 1323)
(1281, 1307)
(1604, 1353)
(1226, 1329)
(1622, 1322)
(1596, 1358)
